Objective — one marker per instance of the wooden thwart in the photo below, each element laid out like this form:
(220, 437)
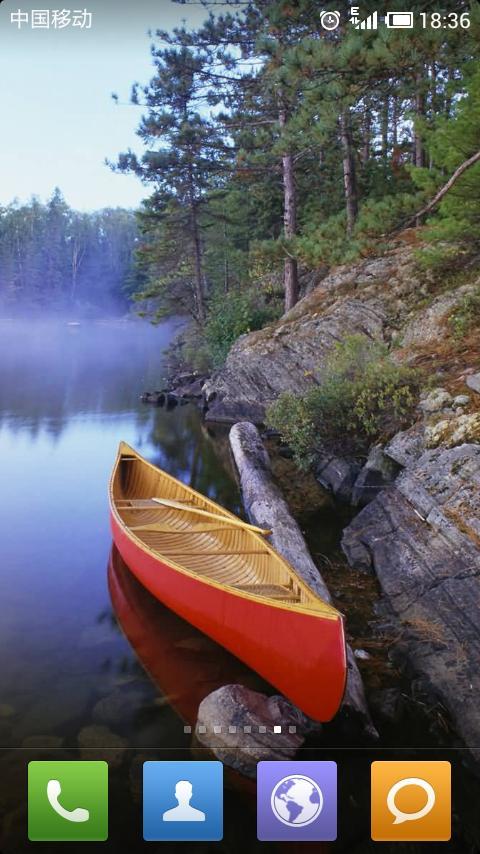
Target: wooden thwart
(159, 528)
(227, 520)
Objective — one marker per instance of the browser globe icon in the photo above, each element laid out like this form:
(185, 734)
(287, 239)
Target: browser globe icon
(297, 800)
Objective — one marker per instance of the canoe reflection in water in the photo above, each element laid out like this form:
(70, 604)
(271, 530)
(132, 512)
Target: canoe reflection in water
(184, 663)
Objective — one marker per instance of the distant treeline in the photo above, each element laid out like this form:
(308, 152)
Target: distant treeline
(55, 258)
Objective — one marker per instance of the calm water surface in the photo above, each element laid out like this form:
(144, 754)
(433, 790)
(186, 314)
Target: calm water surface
(78, 634)
(68, 395)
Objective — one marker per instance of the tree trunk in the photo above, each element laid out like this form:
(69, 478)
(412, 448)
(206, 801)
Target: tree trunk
(448, 97)
(290, 272)
(434, 102)
(395, 121)
(197, 251)
(367, 132)
(226, 265)
(77, 258)
(385, 126)
(199, 287)
(418, 149)
(349, 176)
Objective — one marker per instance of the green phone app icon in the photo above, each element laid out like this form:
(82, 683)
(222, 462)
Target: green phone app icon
(67, 801)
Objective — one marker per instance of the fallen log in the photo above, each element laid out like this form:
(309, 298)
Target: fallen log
(265, 506)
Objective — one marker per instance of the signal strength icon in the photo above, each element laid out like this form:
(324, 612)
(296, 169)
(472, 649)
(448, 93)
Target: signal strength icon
(370, 23)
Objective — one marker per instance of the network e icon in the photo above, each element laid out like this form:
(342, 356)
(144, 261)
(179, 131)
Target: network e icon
(182, 801)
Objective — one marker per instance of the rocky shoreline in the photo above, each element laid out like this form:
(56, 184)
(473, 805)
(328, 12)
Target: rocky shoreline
(417, 528)
(181, 388)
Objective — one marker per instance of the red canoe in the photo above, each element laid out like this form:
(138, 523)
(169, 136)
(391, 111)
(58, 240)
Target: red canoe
(221, 575)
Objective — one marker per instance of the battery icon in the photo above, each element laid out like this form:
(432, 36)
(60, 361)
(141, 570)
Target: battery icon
(399, 20)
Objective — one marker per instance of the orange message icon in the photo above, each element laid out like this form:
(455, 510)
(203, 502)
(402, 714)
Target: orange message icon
(411, 801)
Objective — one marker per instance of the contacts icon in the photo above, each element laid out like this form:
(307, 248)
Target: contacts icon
(183, 812)
(183, 801)
(411, 801)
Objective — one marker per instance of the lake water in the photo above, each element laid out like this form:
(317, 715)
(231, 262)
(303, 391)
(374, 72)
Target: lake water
(68, 396)
(69, 677)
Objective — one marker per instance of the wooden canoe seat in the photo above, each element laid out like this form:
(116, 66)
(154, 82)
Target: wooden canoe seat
(271, 591)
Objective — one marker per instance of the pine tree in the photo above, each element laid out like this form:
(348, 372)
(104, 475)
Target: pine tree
(185, 158)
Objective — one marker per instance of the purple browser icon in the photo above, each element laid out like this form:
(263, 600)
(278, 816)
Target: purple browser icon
(297, 801)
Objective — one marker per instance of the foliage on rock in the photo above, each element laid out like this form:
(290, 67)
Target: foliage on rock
(364, 397)
(231, 315)
(466, 315)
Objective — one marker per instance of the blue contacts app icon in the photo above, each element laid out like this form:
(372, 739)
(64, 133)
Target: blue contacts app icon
(182, 801)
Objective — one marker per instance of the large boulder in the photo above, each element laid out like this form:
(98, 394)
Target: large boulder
(422, 539)
(241, 727)
(473, 382)
(378, 472)
(338, 475)
(407, 446)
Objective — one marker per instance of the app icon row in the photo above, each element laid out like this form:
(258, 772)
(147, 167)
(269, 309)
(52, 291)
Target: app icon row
(183, 801)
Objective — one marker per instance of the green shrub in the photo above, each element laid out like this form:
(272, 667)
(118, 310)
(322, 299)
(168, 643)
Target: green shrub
(197, 356)
(439, 259)
(363, 397)
(466, 316)
(231, 315)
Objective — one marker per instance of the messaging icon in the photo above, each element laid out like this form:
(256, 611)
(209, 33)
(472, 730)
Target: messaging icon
(410, 816)
(411, 801)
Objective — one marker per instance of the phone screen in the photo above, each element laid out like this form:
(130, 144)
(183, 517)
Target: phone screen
(239, 426)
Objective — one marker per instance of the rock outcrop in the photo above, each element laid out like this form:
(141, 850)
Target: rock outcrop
(428, 325)
(289, 356)
(421, 537)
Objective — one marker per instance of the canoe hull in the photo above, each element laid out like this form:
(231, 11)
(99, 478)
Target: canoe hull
(301, 654)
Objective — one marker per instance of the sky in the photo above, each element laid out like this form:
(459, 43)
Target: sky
(58, 122)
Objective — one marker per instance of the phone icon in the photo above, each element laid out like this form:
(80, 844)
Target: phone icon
(67, 801)
(54, 790)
